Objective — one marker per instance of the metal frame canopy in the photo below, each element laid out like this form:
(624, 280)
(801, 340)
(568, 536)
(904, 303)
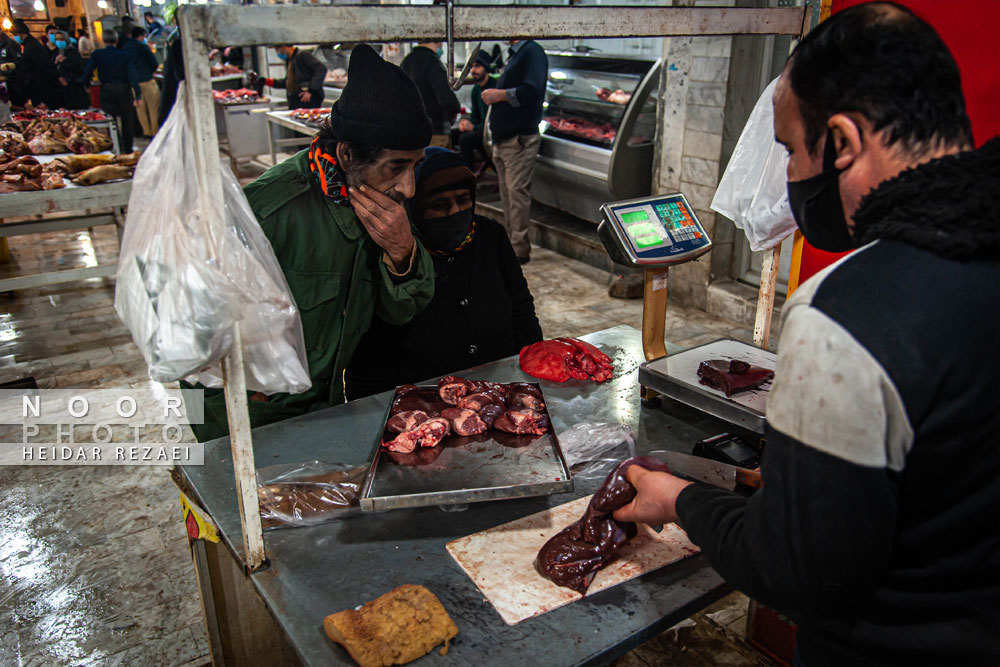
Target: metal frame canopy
(204, 27)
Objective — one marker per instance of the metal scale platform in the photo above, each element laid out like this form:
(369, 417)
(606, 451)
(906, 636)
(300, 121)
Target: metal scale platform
(655, 233)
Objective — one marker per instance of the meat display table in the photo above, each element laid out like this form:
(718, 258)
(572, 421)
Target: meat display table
(276, 119)
(243, 129)
(85, 206)
(275, 615)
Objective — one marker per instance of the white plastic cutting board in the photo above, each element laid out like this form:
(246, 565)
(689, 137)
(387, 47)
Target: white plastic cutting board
(501, 560)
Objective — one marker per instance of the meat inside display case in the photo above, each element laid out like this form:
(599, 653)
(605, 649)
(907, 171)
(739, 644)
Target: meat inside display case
(598, 125)
(587, 96)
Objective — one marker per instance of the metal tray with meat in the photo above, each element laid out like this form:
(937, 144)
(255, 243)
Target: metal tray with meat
(464, 441)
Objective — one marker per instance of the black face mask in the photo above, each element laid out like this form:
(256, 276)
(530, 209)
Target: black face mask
(447, 233)
(817, 208)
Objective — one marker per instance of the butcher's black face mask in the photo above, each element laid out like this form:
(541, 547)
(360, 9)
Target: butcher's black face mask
(447, 234)
(817, 207)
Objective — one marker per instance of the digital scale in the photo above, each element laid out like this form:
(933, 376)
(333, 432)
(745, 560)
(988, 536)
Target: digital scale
(655, 233)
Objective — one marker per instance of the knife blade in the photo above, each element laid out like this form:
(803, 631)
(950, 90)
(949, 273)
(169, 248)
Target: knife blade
(711, 472)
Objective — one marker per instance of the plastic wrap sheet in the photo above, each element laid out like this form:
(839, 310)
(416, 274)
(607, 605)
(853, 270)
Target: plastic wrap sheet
(593, 449)
(308, 493)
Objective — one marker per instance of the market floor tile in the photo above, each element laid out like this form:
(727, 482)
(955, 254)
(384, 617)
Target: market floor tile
(94, 563)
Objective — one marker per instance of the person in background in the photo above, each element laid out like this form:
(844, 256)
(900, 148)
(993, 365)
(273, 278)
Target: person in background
(482, 309)
(334, 216)
(125, 32)
(34, 74)
(517, 111)
(70, 66)
(173, 68)
(118, 83)
(423, 64)
(304, 75)
(85, 45)
(471, 140)
(876, 527)
(231, 55)
(10, 92)
(153, 27)
(144, 63)
(50, 37)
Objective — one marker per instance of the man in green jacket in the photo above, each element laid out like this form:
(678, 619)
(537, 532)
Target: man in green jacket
(335, 218)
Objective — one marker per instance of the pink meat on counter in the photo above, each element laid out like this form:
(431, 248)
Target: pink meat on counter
(402, 422)
(427, 434)
(464, 421)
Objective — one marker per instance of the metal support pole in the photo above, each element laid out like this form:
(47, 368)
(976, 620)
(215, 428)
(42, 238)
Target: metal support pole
(201, 111)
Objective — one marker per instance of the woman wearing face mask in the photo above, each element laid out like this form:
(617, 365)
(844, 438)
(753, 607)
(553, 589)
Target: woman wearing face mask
(482, 309)
(69, 64)
(34, 74)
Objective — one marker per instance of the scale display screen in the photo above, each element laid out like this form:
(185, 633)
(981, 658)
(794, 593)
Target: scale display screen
(661, 230)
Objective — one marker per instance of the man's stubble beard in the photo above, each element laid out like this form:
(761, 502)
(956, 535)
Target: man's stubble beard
(355, 179)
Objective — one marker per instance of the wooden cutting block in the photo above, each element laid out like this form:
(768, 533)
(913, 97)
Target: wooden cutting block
(501, 560)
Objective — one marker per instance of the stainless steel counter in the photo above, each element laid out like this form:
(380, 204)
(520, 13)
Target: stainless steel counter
(324, 569)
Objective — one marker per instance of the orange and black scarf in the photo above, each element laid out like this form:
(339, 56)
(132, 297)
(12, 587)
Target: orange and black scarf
(328, 173)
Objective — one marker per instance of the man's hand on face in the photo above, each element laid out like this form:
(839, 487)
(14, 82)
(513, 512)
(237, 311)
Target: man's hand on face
(494, 95)
(386, 222)
(464, 125)
(656, 501)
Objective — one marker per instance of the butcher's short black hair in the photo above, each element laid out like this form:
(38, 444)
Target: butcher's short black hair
(138, 32)
(19, 27)
(148, 14)
(881, 60)
(110, 37)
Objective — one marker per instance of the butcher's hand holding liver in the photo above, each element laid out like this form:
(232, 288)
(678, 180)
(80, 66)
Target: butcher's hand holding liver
(656, 501)
(386, 222)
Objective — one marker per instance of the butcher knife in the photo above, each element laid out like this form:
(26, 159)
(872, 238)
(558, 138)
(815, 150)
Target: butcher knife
(709, 471)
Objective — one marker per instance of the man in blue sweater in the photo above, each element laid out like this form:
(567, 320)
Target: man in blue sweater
(517, 111)
(118, 82)
(876, 528)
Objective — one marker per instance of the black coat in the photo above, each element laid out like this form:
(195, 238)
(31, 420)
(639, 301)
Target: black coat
(37, 76)
(74, 94)
(425, 68)
(482, 311)
(173, 74)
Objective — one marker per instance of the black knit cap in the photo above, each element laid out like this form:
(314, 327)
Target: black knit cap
(380, 106)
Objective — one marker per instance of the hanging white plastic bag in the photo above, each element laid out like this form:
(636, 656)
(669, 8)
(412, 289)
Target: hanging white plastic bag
(189, 269)
(753, 191)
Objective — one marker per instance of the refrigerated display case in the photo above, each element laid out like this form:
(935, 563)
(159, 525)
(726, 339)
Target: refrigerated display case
(598, 125)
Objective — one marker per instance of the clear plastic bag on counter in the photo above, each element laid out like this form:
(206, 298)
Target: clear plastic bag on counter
(592, 449)
(308, 493)
(190, 268)
(753, 190)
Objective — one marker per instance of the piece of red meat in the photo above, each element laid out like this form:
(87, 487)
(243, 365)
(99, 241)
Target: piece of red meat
(490, 413)
(452, 389)
(480, 400)
(572, 557)
(424, 399)
(427, 434)
(522, 422)
(523, 395)
(464, 421)
(732, 376)
(402, 422)
(562, 359)
(591, 360)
